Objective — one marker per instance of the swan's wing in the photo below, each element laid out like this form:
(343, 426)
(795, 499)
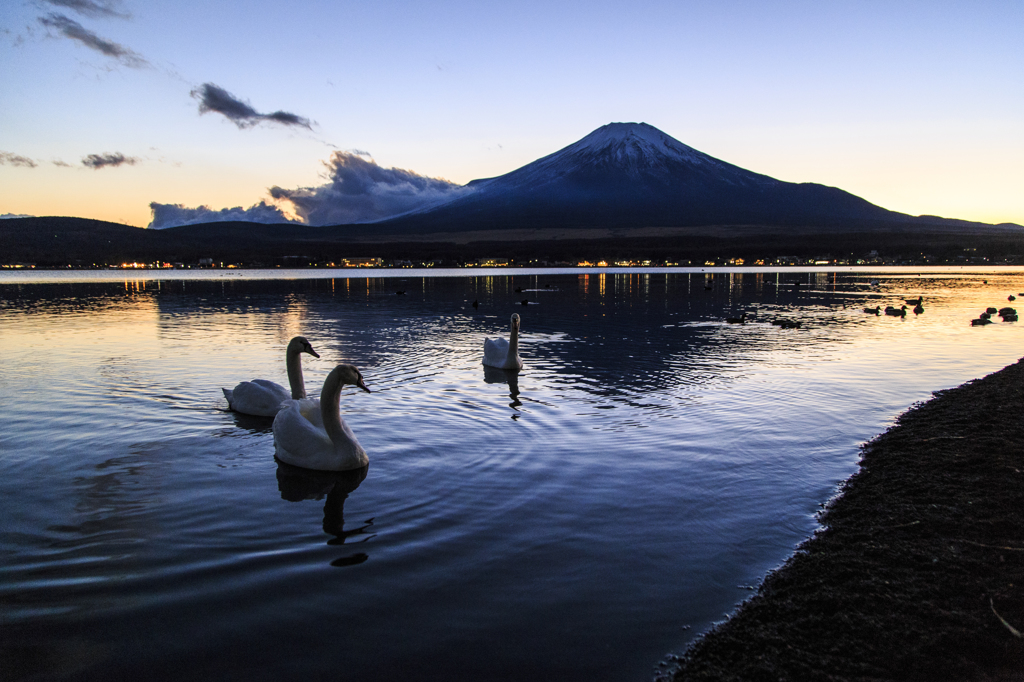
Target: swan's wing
(260, 397)
(297, 438)
(495, 352)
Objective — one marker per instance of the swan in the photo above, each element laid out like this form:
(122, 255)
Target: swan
(502, 353)
(311, 434)
(263, 398)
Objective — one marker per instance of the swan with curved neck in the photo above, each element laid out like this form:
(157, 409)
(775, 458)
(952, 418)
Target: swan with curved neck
(263, 398)
(311, 433)
(504, 353)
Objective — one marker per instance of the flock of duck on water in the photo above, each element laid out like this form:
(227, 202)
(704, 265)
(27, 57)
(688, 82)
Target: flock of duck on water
(1007, 313)
(309, 432)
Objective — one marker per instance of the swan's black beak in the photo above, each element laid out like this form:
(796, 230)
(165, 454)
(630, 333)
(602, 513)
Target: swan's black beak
(309, 349)
(360, 384)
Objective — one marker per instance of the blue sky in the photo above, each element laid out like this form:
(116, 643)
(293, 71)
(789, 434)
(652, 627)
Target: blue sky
(915, 106)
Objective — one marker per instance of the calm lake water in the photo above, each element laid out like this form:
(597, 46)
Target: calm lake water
(580, 520)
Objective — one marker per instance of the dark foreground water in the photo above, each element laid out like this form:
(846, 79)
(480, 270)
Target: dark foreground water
(579, 520)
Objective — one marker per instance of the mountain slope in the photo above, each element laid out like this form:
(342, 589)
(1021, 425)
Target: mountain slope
(633, 175)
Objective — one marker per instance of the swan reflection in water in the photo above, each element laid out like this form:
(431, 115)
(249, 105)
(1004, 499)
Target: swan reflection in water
(253, 423)
(496, 375)
(297, 484)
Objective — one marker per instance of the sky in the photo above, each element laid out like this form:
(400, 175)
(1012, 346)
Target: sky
(124, 111)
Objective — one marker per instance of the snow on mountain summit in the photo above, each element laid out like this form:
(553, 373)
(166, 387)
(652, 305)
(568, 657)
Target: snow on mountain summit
(631, 152)
(635, 141)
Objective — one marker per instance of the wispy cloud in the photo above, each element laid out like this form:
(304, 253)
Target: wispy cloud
(175, 215)
(9, 159)
(70, 28)
(113, 160)
(360, 191)
(213, 98)
(89, 8)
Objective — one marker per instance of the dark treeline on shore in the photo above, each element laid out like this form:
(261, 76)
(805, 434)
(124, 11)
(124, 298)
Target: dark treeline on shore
(78, 242)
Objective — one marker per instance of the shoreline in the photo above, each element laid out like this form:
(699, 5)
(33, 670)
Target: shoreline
(918, 570)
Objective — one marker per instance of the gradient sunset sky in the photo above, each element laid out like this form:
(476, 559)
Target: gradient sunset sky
(109, 105)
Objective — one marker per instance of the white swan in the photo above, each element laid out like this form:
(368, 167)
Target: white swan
(504, 353)
(263, 398)
(311, 434)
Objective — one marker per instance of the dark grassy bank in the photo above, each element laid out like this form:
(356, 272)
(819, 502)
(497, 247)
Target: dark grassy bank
(918, 573)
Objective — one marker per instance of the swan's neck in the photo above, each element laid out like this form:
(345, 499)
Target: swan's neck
(330, 411)
(513, 343)
(293, 362)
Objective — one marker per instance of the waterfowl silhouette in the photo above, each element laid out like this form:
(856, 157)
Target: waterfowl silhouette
(873, 311)
(263, 398)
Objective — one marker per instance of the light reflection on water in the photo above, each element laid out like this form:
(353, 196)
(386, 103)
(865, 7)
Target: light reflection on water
(564, 521)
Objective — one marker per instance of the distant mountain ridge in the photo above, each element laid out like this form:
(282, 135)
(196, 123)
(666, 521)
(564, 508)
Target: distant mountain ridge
(626, 187)
(626, 175)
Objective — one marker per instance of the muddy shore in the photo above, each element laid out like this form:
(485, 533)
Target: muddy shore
(918, 571)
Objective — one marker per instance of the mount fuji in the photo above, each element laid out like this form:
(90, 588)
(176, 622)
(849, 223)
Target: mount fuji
(631, 175)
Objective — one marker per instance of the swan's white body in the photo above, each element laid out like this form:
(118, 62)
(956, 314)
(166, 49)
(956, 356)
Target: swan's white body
(263, 398)
(504, 353)
(311, 434)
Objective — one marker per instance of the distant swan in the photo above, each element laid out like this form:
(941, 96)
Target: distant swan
(504, 353)
(263, 398)
(311, 433)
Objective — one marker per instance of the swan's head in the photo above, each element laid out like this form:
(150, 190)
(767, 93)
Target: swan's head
(348, 374)
(515, 321)
(300, 345)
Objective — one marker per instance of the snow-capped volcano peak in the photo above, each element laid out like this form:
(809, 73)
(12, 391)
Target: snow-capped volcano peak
(624, 152)
(630, 175)
(635, 140)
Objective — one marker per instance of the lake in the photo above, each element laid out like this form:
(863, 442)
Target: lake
(581, 519)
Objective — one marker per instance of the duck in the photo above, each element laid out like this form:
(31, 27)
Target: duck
(504, 353)
(873, 311)
(896, 312)
(311, 434)
(737, 320)
(980, 321)
(915, 301)
(476, 304)
(263, 398)
(918, 309)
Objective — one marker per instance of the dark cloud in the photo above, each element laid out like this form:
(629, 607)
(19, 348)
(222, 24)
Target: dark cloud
(213, 98)
(91, 9)
(9, 159)
(70, 28)
(174, 215)
(360, 191)
(97, 161)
